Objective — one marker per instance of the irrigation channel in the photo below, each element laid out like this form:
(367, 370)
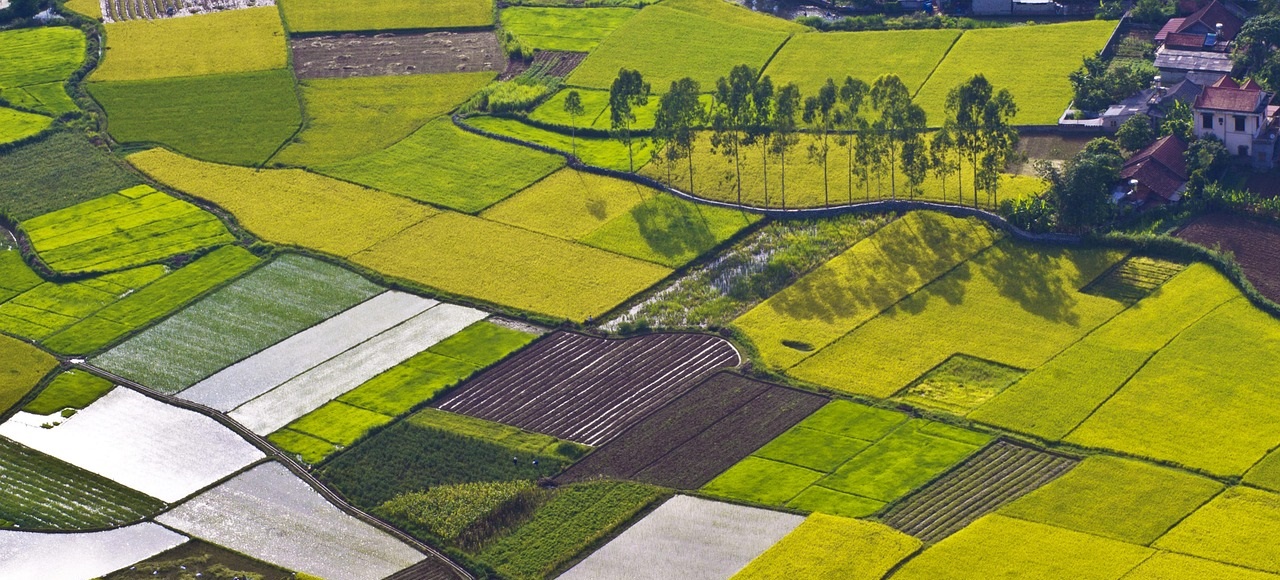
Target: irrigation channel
(292, 464)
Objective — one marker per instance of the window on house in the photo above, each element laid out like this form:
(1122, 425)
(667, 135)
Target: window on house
(1243, 150)
(1240, 123)
(1206, 120)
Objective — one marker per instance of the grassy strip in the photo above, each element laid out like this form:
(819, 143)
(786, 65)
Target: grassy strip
(73, 389)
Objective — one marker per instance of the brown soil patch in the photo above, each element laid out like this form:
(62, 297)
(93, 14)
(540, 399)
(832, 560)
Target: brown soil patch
(553, 62)
(385, 54)
(1256, 246)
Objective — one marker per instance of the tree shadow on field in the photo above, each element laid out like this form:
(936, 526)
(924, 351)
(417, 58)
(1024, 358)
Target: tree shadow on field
(672, 228)
(1034, 277)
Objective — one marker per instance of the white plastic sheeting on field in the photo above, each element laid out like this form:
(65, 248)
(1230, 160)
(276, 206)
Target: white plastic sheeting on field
(268, 369)
(308, 391)
(37, 556)
(158, 449)
(270, 514)
(688, 538)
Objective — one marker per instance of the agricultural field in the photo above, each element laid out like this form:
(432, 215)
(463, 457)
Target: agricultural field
(1035, 72)
(351, 55)
(716, 540)
(270, 514)
(34, 62)
(446, 166)
(832, 547)
(42, 493)
(160, 450)
(118, 10)
(130, 228)
(597, 151)
(203, 558)
(27, 554)
(1238, 527)
(848, 460)
(240, 118)
(351, 117)
(18, 125)
(22, 366)
(586, 389)
(73, 389)
(37, 310)
(595, 105)
(695, 437)
(1252, 244)
(276, 301)
(570, 29)
(58, 171)
(960, 384)
(806, 59)
(999, 474)
(321, 16)
(234, 41)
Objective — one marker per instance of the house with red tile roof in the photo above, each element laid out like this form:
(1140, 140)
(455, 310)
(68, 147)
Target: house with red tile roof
(1155, 175)
(1212, 27)
(1242, 117)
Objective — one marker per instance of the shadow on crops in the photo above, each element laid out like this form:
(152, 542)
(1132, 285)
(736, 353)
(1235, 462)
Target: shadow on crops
(671, 228)
(1033, 277)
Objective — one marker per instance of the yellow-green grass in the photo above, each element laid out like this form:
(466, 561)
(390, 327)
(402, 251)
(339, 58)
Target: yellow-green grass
(595, 105)
(231, 41)
(74, 389)
(21, 367)
(49, 98)
(1121, 499)
(1001, 547)
(351, 117)
(569, 204)
(1171, 566)
(17, 125)
(832, 547)
(335, 423)
(504, 435)
(323, 15)
(16, 276)
(136, 226)
(59, 170)
(446, 166)
(1033, 62)
(714, 178)
(729, 13)
(240, 118)
(1014, 304)
(707, 50)
(601, 152)
(409, 384)
(573, 29)
(507, 265)
(482, 343)
(49, 307)
(807, 59)
(857, 285)
(36, 56)
(1054, 398)
(153, 301)
(903, 460)
(960, 384)
(1265, 473)
(1241, 527)
(308, 449)
(90, 8)
(1207, 401)
(288, 206)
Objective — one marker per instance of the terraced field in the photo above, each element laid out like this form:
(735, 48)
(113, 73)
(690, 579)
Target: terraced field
(38, 492)
(588, 389)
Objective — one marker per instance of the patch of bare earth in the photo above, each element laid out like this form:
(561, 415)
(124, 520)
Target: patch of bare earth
(1255, 245)
(386, 54)
(555, 63)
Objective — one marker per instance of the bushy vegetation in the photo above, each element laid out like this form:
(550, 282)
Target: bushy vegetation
(232, 41)
(1099, 84)
(55, 172)
(322, 16)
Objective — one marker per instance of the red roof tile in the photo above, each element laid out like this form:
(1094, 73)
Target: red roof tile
(1226, 82)
(1235, 100)
(1205, 20)
(1169, 27)
(1160, 168)
(1251, 85)
(1185, 40)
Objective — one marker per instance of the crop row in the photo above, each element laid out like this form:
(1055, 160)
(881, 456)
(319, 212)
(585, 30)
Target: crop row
(998, 475)
(589, 389)
(1134, 278)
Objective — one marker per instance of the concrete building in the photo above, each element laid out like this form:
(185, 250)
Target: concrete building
(1242, 117)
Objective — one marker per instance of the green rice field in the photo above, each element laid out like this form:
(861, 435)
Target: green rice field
(319, 16)
(572, 29)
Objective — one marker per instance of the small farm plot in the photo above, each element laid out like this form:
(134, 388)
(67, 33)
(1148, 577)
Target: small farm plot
(74, 389)
(1171, 566)
(587, 389)
(444, 165)
(130, 228)
(688, 537)
(1239, 527)
(322, 16)
(1000, 547)
(709, 49)
(350, 117)
(697, 436)
(1033, 62)
(38, 492)
(1252, 244)
(33, 555)
(34, 62)
(234, 41)
(997, 475)
(58, 171)
(1121, 499)
(17, 125)
(158, 449)
(833, 547)
(239, 118)
(21, 368)
(202, 559)
(848, 460)
(389, 54)
(270, 514)
(117, 10)
(253, 376)
(289, 206)
(910, 54)
(597, 151)
(48, 307)
(344, 372)
(284, 297)
(960, 384)
(571, 29)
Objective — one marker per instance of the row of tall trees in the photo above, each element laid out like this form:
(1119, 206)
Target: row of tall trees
(863, 131)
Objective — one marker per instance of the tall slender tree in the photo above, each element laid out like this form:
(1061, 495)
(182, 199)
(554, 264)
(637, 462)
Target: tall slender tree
(868, 156)
(679, 114)
(901, 124)
(759, 125)
(984, 134)
(573, 106)
(942, 159)
(852, 93)
(785, 116)
(731, 108)
(820, 113)
(628, 91)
